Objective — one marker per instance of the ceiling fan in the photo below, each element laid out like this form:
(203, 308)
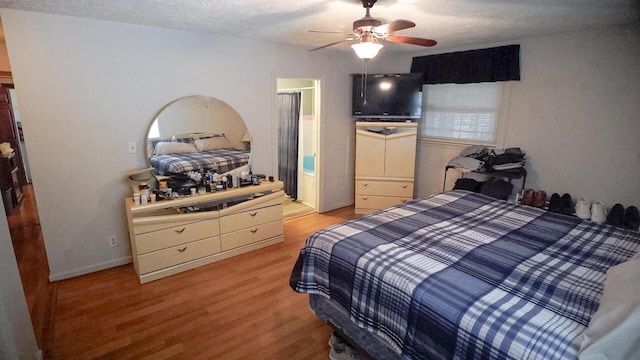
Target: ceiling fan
(368, 30)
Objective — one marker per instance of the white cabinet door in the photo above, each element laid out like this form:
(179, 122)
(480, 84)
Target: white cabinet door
(369, 153)
(400, 154)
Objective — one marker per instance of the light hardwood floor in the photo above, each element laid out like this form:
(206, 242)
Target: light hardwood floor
(293, 209)
(239, 308)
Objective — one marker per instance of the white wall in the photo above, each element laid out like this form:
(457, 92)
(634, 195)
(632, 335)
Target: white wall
(574, 113)
(88, 87)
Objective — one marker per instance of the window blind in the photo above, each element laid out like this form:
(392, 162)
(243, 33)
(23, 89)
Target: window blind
(462, 111)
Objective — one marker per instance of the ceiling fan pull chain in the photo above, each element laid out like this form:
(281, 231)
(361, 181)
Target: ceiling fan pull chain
(363, 92)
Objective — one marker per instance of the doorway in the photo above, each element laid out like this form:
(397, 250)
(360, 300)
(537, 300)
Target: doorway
(302, 198)
(26, 170)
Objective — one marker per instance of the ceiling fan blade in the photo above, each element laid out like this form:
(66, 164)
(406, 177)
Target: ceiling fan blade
(330, 32)
(394, 26)
(333, 43)
(410, 40)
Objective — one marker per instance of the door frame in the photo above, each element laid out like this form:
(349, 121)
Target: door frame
(317, 85)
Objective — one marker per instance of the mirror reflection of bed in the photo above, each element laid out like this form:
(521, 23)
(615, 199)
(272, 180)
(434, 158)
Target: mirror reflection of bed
(198, 132)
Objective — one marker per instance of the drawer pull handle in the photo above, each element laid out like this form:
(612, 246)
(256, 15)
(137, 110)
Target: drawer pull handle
(365, 184)
(365, 198)
(182, 250)
(253, 214)
(180, 231)
(404, 200)
(254, 231)
(405, 186)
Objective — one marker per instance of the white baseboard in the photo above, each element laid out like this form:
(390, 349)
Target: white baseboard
(89, 269)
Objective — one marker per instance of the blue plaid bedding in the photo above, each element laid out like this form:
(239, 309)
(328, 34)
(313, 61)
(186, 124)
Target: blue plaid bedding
(464, 276)
(220, 161)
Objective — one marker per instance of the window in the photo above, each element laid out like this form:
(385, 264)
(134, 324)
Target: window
(154, 131)
(465, 113)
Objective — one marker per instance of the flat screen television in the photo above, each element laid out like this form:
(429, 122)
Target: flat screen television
(387, 96)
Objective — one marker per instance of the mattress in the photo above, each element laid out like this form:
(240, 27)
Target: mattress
(462, 275)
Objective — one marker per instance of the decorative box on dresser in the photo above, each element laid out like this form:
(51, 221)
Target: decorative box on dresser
(385, 164)
(171, 236)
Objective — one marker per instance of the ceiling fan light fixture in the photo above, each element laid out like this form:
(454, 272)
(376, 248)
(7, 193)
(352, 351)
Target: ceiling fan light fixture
(367, 50)
(367, 29)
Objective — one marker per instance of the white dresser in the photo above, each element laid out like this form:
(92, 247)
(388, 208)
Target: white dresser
(171, 236)
(385, 164)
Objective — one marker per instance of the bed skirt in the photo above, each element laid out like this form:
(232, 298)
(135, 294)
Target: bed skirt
(340, 321)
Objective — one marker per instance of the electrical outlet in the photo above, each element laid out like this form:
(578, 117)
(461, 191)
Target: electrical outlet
(112, 241)
(132, 147)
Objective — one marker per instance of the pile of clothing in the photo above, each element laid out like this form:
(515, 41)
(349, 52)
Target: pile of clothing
(512, 158)
(480, 158)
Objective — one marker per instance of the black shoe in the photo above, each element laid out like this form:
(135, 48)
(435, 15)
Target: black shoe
(631, 219)
(554, 203)
(616, 215)
(566, 204)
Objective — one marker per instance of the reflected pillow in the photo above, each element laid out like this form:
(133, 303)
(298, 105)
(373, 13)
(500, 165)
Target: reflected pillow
(192, 137)
(614, 330)
(166, 148)
(213, 143)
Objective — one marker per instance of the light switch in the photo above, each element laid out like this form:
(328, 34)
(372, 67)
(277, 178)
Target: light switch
(132, 147)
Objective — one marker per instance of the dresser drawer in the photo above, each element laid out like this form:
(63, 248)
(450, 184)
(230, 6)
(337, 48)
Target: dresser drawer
(378, 202)
(147, 224)
(161, 239)
(251, 235)
(384, 188)
(178, 254)
(250, 218)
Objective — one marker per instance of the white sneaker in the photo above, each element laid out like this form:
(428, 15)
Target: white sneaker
(583, 208)
(598, 212)
(347, 353)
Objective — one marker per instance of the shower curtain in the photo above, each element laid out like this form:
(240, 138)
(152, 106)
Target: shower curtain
(288, 124)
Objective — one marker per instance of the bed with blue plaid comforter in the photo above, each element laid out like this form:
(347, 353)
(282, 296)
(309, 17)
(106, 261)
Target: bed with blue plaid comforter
(460, 275)
(220, 161)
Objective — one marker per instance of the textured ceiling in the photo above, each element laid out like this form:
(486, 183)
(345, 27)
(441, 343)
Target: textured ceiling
(450, 22)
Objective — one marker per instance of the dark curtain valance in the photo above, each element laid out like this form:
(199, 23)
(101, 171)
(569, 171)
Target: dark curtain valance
(473, 66)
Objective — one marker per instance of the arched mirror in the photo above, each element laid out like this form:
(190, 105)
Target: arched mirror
(197, 133)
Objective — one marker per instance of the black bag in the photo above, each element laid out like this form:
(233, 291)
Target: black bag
(497, 188)
(181, 183)
(508, 158)
(467, 184)
(514, 150)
